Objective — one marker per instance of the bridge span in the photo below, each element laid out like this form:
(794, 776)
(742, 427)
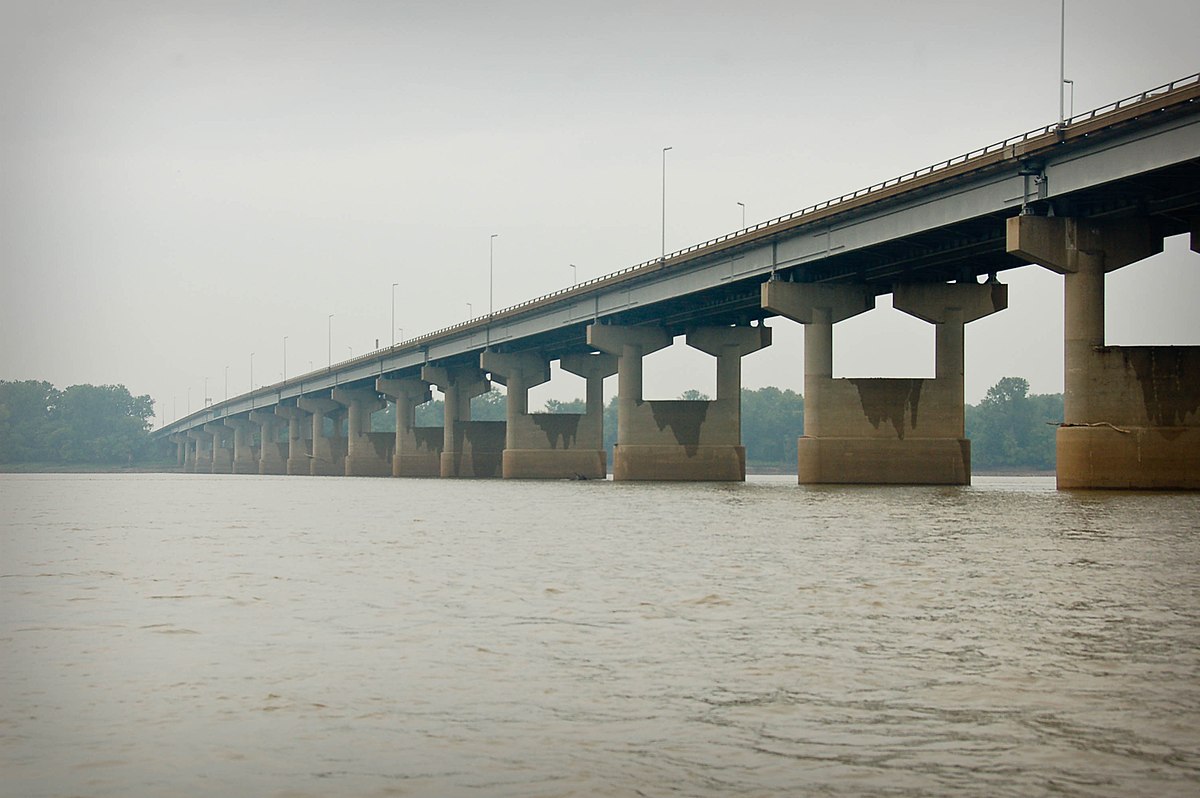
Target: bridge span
(1083, 198)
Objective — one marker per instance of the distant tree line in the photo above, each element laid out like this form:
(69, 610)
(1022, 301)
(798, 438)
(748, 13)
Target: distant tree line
(102, 424)
(1012, 429)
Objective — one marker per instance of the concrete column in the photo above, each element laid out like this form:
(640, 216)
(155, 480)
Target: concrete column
(272, 454)
(222, 447)
(299, 444)
(245, 458)
(893, 431)
(202, 461)
(594, 368)
(417, 451)
(1131, 413)
(180, 442)
(328, 448)
(546, 445)
(679, 440)
(469, 448)
(367, 454)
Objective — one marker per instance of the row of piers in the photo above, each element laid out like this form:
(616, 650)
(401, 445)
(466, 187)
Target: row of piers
(1132, 414)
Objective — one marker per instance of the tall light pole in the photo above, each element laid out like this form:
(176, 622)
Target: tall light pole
(394, 313)
(664, 203)
(226, 383)
(401, 333)
(330, 341)
(1071, 104)
(251, 371)
(1062, 61)
(491, 263)
(189, 403)
(206, 391)
(285, 358)
(574, 275)
(743, 214)
(470, 313)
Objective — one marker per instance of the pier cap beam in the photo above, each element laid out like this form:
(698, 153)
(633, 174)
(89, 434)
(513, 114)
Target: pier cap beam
(803, 302)
(1059, 243)
(939, 303)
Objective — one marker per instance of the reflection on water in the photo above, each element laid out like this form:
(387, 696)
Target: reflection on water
(191, 635)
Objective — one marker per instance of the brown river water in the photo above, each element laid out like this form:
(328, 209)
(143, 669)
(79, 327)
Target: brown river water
(190, 635)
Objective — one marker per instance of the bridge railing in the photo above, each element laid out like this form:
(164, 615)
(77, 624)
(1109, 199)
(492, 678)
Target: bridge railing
(926, 171)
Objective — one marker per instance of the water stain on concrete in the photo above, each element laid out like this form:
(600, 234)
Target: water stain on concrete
(684, 418)
(890, 400)
(560, 428)
(429, 439)
(1169, 377)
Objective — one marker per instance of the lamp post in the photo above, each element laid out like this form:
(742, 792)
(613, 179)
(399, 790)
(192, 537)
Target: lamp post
(251, 371)
(664, 202)
(394, 313)
(1071, 104)
(574, 275)
(401, 333)
(330, 339)
(206, 392)
(285, 358)
(491, 262)
(743, 214)
(1062, 60)
(227, 383)
(470, 313)
(189, 402)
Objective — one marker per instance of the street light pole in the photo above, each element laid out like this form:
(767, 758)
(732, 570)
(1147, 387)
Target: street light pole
(226, 383)
(664, 202)
(1062, 61)
(743, 214)
(491, 263)
(574, 275)
(470, 313)
(394, 313)
(1071, 104)
(251, 371)
(206, 391)
(285, 358)
(330, 341)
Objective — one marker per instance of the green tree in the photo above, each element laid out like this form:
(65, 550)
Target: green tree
(573, 406)
(26, 411)
(772, 420)
(1011, 429)
(100, 424)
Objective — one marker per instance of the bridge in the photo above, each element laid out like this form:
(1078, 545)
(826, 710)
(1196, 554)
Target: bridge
(1084, 197)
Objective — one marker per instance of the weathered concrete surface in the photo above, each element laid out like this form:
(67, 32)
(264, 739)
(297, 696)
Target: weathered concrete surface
(367, 454)
(181, 445)
(551, 445)
(222, 447)
(198, 443)
(1130, 413)
(679, 440)
(245, 453)
(328, 445)
(884, 461)
(299, 443)
(272, 451)
(416, 451)
(877, 430)
(469, 448)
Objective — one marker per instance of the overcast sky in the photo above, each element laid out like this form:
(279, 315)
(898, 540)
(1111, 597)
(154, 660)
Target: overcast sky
(185, 183)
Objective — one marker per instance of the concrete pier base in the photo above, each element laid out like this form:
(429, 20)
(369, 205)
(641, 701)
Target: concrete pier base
(272, 452)
(417, 451)
(222, 447)
(679, 440)
(720, 463)
(328, 445)
(245, 454)
(469, 448)
(299, 447)
(913, 461)
(1131, 413)
(368, 454)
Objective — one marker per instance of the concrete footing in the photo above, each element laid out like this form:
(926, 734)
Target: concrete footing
(416, 451)
(469, 448)
(719, 463)
(883, 461)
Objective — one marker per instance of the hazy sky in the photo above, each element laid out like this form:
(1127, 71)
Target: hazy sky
(185, 183)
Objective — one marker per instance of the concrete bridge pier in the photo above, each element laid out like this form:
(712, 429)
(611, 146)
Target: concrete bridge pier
(222, 447)
(202, 448)
(328, 448)
(245, 456)
(883, 431)
(469, 448)
(272, 454)
(367, 454)
(679, 440)
(181, 443)
(299, 447)
(1131, 413)
(550, 445)
(417, 451)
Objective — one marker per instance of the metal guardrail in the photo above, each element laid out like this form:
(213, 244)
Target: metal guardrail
(659, 263)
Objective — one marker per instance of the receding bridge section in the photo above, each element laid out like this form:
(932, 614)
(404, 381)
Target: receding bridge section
(1098, 193)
